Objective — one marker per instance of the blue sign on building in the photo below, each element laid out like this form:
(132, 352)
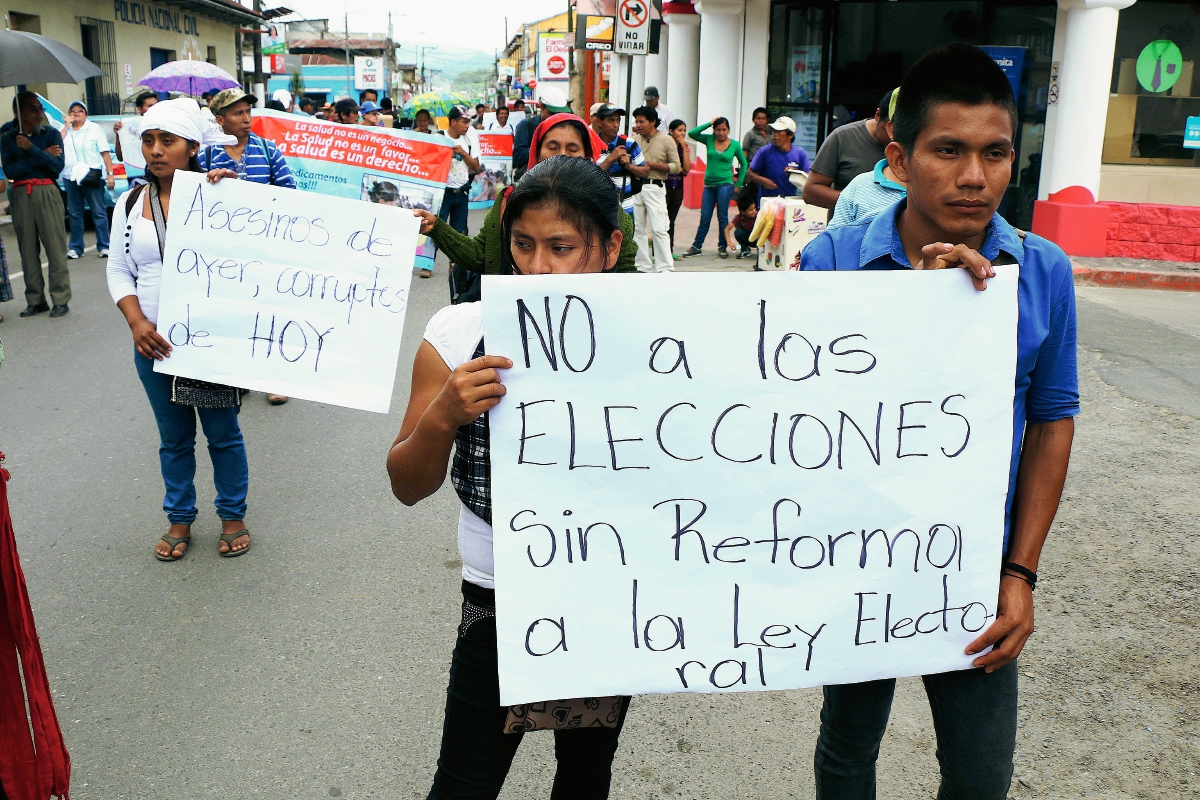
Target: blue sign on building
(1191, 133)
(1012, 61)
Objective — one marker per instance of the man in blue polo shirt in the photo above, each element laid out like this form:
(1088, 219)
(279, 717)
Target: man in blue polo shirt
(954, 129)
(770, 165)
(253, 158)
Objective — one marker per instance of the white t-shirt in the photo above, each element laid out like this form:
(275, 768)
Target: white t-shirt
(496, 126)
(138, 271)
(83, 147)
(455, 332)
(459, 174)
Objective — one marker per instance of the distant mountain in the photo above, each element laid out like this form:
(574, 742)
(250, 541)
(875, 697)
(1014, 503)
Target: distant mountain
(447, 61)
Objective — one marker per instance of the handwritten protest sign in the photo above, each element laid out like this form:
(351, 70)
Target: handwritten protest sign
(264, 289)
(495, 160)
(382, 165)
(720, 483)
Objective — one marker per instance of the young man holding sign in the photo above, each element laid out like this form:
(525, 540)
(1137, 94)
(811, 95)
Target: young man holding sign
(954, 126)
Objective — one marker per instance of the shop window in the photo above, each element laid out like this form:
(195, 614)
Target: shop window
(99, 45)
(212, 55)
(1154, 90)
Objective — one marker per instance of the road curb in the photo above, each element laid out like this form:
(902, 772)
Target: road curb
(1137, 279)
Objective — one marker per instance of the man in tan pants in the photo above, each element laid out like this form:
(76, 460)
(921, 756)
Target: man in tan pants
(32, 157)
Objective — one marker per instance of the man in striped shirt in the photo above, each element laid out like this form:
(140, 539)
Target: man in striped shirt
(253, 158)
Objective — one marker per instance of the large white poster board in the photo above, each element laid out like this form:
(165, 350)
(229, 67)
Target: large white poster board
(709, 482)
(275, 290)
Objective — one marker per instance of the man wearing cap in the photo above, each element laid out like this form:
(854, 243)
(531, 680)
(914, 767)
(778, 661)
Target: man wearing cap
(253, 158)
(623, 157)
(88, 169)
(650, 98)
(454, 202)
(284, 98)
(553, 101)
(846, 153)
(370, 114)
(769, 168)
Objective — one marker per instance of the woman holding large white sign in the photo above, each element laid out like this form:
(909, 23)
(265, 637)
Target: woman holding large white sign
(563, 218)
(172, 133)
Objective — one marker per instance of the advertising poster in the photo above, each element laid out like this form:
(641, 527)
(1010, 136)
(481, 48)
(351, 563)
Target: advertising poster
(809, 492)
(380, 165)
(553, 55)
(495, 157)
(806, 74)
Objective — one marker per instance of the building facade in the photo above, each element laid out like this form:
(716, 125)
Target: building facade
(1088, 117)
(127, 39)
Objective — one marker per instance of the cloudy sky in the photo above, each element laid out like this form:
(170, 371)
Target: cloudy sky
(474, 24)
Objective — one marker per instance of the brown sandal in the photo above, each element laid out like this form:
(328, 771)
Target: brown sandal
(174, 541)
(228, 538)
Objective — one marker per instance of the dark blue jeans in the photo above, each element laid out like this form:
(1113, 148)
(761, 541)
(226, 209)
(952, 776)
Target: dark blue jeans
(743, 237)
(974, 717)
(76, 195)
(177, 450)
(477, 753)
(719, 196)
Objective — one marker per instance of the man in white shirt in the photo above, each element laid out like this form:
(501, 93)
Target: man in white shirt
(501, 122)
(454, 202)
(88, 168)
(665, 118)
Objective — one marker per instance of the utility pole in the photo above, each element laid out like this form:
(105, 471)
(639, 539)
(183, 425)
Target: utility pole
(387, 60)
(260, 84)
(346, 43)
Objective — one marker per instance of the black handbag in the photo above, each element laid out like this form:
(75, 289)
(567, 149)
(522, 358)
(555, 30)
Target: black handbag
(93, 180)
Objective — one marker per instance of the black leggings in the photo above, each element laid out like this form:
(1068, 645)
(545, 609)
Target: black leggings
(476, 753)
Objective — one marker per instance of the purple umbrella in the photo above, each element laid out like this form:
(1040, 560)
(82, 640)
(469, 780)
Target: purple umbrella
(190, 77)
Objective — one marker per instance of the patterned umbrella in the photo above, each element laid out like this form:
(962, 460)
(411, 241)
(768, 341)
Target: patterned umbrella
(190, 77)
(436, 103)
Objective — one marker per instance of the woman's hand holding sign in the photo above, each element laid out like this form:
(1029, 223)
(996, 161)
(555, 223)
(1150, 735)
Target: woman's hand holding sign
(472, 389)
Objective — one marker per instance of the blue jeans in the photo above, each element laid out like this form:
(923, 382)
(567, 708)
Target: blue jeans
(743, 237)
(76, 195)
(177, 450)
(464, 284)
(974, 717)
(719, 196)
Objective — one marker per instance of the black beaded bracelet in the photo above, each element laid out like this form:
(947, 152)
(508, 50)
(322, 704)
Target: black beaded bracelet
(1024, 573)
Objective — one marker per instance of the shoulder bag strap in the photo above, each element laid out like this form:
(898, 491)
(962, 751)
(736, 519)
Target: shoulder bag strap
(132, 198)
(160, 221)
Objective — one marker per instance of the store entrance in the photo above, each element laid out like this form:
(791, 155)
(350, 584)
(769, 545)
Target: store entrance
(830, 63)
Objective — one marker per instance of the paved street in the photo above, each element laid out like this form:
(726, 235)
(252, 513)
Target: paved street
(315, 666)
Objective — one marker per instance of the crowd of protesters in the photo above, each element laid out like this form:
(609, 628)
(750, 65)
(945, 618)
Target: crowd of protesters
(587, 199)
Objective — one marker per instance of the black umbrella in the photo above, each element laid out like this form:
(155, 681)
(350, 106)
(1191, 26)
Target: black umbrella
(29, 58)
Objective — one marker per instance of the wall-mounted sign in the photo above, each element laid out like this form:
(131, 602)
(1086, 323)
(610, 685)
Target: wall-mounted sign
(368, 73)
(1011, 60)
(554, 53)
(1191, 133)
(595, 33)
(162, 19)
(1159, 65)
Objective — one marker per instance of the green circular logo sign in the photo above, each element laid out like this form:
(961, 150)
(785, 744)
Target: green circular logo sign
(1159, 65)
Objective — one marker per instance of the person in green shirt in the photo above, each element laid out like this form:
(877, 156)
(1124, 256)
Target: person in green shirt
(719, 181)
(559, 135)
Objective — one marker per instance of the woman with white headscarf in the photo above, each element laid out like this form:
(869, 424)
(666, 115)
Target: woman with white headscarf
(172, 134)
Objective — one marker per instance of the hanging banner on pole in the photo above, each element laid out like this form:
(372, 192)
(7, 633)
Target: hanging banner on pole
(380, 165)
(553, 61)
(811, 492)
(495, 158)
(263, 288)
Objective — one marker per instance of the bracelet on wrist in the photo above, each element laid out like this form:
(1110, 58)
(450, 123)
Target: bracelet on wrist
(1014, 570)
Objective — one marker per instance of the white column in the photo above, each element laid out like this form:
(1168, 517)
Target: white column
(720, 55)
(683, 65)
(757, 39)
(656, 68)
(1051, 129)
(639, 83)
(616, 79)
(1084, 85)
